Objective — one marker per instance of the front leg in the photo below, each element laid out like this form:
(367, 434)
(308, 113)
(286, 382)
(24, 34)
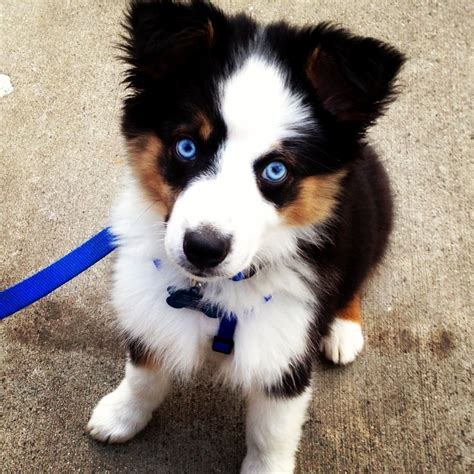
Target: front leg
(274, 427)
(121, 414)
(344, 339)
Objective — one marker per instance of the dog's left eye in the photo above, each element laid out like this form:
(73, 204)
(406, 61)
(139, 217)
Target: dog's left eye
(186, 149)
(275, 172)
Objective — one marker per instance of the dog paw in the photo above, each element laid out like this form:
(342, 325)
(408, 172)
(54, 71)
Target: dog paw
(117, 417)
(254, 464)
(344, 341)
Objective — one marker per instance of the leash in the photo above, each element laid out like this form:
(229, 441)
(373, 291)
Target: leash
(40, 284)
(35, 287)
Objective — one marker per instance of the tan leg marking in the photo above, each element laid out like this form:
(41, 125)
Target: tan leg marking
(344, 339)
(352, 312)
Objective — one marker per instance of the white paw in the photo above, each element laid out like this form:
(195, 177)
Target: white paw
(344, 341)
(118, 417)
(260, 464)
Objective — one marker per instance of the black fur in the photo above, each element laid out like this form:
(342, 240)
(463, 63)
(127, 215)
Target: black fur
(355, 242)
(356, 239)
(176, 53)
(295, 380)
(137, 351)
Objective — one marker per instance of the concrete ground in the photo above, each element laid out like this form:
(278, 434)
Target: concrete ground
(403, 406)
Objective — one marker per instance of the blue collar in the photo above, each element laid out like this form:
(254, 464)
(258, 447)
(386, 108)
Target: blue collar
(192, 298)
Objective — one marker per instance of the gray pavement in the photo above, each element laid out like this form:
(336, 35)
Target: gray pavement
(404, 406)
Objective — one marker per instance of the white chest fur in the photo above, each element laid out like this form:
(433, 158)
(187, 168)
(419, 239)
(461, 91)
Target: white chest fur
(269, 334)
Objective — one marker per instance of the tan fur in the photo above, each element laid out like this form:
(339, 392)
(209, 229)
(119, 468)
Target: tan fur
(311, 63)
(316, 200)
(199, 124)
(311, 66)
(145, 154)
(352, 311)
(205, 127)
(210, 32)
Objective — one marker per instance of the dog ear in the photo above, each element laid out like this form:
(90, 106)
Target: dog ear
(164, 35)
(352, 76)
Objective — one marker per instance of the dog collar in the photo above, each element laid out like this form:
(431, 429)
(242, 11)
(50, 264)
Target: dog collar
(249, 273)
(192, 298)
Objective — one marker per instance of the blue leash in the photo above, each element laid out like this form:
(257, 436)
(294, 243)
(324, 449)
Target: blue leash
(47, 280)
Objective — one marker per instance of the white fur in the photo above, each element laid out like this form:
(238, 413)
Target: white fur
(259, 112)
(182, 338)
(259, 109)
(121, 414)
(273, 432)
(344, 341)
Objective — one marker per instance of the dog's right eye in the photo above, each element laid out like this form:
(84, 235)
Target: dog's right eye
(186, 149)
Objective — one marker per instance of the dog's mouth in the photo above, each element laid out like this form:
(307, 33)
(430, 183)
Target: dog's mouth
(203, 274)
(215, 274)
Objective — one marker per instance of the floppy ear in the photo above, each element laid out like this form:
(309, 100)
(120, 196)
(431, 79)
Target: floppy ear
(164, 35)
(352, 76)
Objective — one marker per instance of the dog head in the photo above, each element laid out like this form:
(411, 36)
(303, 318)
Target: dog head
(241, 134)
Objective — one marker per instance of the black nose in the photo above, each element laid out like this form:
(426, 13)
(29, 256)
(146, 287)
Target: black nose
(205, 248)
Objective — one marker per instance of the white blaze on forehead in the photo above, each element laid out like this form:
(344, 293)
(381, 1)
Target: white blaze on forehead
(258, 106)
(260, 111)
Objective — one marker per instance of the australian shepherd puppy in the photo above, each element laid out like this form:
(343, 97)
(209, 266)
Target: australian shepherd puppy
(252, 214)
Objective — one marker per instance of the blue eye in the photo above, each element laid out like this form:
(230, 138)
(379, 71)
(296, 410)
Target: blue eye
(275, 172)
(186, 149)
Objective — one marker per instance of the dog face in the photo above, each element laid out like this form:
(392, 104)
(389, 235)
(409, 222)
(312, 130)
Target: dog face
(241, 135)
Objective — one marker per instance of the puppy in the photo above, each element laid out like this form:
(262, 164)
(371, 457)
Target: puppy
(252, 213)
